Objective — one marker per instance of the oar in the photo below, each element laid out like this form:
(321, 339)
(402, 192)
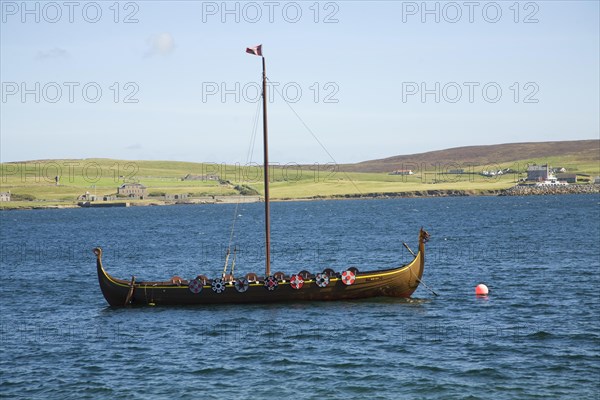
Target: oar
(428, 288)
(408, 248)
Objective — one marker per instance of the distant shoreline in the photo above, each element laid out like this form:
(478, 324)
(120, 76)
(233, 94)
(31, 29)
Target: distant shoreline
(466, 171)
(513, 191)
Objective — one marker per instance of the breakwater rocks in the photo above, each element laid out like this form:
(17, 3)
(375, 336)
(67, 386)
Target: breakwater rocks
(519, 190)
(417, 193)
(529, 190)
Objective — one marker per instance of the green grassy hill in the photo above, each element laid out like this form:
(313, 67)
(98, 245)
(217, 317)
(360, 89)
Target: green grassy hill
(32, 183)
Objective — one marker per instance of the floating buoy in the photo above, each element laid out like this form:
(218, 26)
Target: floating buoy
(481, 290)
(348, 277)
(195, 286)
(296, 281)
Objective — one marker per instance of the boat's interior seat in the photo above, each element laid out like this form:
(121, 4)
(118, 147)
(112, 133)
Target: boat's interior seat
(280, 276)
(329, 272)
(176, 280)
(306, 275)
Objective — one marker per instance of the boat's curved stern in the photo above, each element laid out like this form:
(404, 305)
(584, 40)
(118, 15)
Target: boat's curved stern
(115, 291)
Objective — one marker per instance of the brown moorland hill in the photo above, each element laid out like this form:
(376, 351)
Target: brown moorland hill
(483, 155)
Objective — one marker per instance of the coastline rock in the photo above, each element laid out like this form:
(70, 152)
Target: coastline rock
(529, 190)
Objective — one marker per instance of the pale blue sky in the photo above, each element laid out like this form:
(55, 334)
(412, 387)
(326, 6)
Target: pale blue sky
(371, 61)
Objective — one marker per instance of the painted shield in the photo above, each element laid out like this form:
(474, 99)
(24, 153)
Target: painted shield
(241, 285)
(218, 285)
(322, 280)
(195, 286)
(271, 283)
(348, 277)
(296, 282)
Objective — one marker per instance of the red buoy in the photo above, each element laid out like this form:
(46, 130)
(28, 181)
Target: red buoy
(481, 290)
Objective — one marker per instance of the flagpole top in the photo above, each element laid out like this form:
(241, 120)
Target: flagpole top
(255, 50)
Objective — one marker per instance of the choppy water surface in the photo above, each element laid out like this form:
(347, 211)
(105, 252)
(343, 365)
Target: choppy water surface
(536, 336)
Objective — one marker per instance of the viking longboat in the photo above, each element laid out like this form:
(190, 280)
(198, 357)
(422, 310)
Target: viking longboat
(327, 285)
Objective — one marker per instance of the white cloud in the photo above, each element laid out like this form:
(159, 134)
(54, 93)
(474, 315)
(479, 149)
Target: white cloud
(56, 52)
(161, 44)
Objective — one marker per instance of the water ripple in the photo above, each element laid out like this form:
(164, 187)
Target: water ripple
(535, 336)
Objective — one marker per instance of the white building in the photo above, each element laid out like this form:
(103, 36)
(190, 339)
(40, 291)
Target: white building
(538, 172)
(402, 172)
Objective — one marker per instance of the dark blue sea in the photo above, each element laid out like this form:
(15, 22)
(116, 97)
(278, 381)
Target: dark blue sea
(537, 334)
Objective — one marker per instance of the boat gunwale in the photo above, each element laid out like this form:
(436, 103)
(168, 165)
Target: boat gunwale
(161, 285)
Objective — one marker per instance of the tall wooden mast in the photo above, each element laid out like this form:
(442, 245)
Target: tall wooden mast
(266, 175)
(257, 51)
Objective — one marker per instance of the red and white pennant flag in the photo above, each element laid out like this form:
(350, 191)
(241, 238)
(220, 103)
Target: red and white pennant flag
(256, 50)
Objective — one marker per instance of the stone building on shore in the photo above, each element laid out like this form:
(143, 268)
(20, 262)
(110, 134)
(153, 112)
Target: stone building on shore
(133, 190)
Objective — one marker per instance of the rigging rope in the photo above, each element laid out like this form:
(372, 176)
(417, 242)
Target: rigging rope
(237, 205)
(249, 157)
(225, 267)
(314, 136)
(420, 280)
(233, 262)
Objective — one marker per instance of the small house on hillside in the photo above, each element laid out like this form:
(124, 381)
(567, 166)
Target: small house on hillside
(402, 172)
(133, 190)
(87, 197)
(492, 173)
(4, 196)
(190, 177)
(570, 178)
